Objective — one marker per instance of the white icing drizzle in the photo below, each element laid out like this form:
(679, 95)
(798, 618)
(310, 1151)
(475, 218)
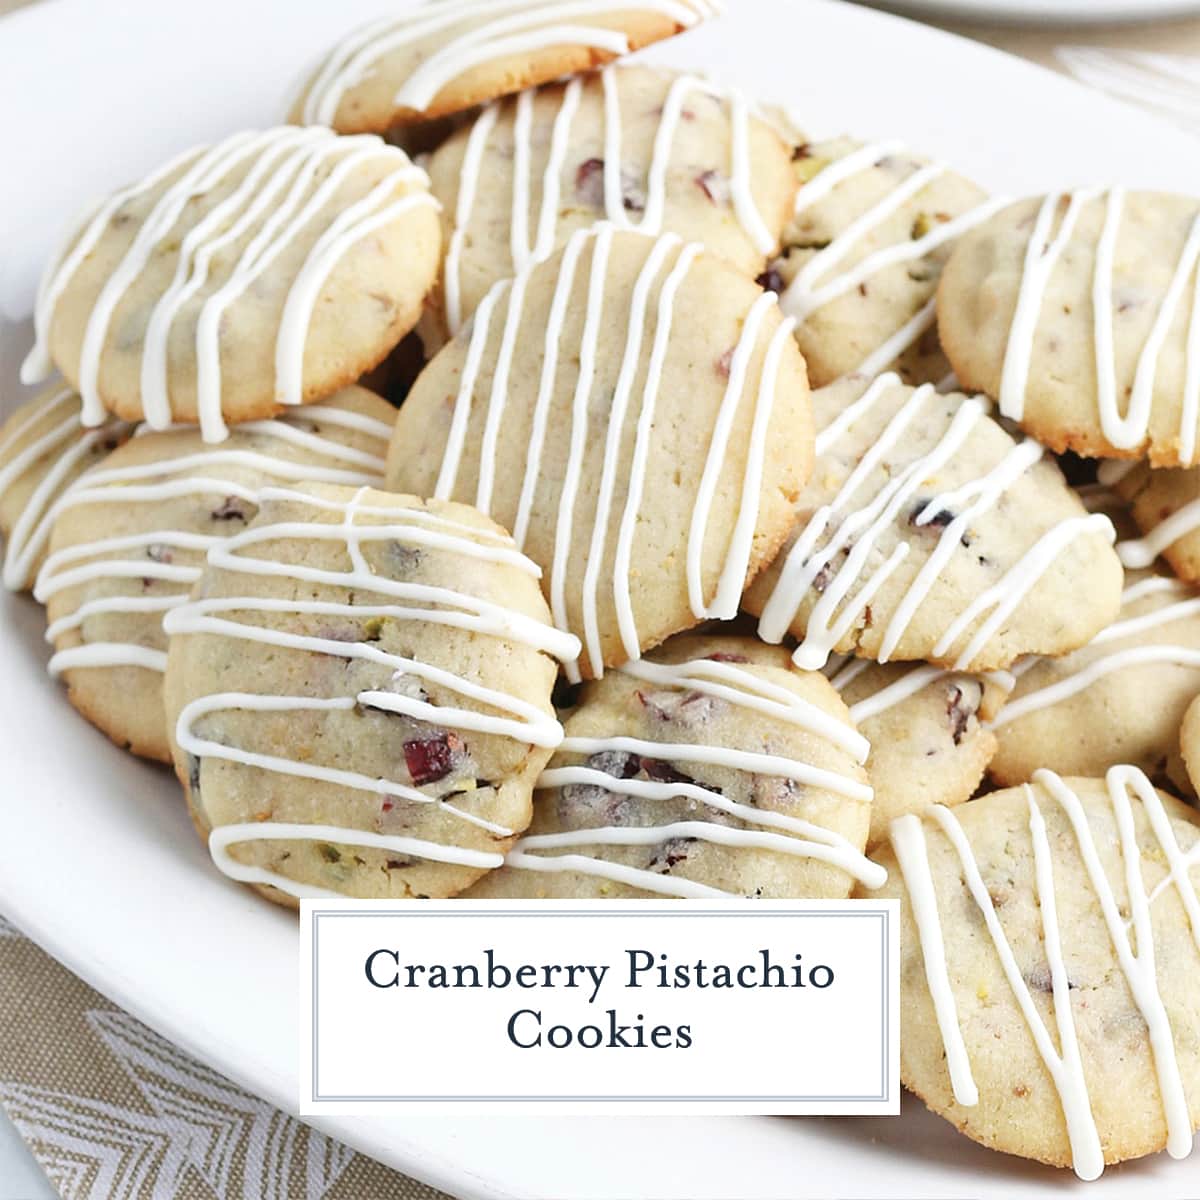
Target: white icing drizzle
(1041, 257)
(290, 178)
(653, 216)
(1186, 606)
(650, 881)
(1138, 967)
(151, 483)
(901, 342)
(724, 605)
(70, 445)
(224, 836)
(670, 260)
(1003, 597)
(726, 681)
(1127, 431)
(852, 525)
(494, 29)
(904, 687)
(500, 714)
(1141, 552)
(912, 856)
(769, 830)
(819, 281)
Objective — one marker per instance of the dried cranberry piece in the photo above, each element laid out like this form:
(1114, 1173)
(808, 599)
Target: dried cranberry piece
(592, 806)
(618, 763)
(959, 711)
(663, 772)
(592, 797)
(339, 633)
(633, 196)
(770, 280)
(726, 657)
(429, 758)
(589, 186)
(714, 185)
(667, 705)
(1039, 977)
(672, 852)
(232, 508)
(403, 558)
(589, 182)
(936, 520)
(692, 708)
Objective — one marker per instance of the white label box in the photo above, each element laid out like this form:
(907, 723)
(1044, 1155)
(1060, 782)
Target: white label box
(639, 1007)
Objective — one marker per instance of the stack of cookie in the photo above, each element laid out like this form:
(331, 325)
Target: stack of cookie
(615, 605)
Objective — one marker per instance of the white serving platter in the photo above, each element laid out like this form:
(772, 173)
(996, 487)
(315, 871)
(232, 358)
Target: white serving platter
(97, 858)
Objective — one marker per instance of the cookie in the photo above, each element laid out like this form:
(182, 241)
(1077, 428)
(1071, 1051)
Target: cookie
(1078, 313)
(268, 270)
(43, 450)
(1119, 699)
(928, 728)
(129, 541)
(927, 532)
(872, 227)
(649, 150)
(636, 412)
(697, 772)
(358, 695)
(436, 59)
(1189, 743)
(1050, 944)
(1165, 505)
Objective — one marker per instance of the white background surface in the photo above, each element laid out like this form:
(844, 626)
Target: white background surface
(97, 858)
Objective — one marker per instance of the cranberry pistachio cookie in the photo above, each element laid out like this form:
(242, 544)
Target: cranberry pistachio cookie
(1189, 743)
(637, 412)
(270, 269)
(1165, 505)
(1119, 699)
(129, 540)
(1078, 313)
(927, 727)
(698, 772)
(929, 730)
(434, 59)
(358, 695)
(1050, 944)
(927, 532)
(43, 450)
(649, 150)
(871, 229)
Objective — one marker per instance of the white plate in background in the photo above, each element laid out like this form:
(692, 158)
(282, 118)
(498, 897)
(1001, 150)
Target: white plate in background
(98, 861)
(1045, 12)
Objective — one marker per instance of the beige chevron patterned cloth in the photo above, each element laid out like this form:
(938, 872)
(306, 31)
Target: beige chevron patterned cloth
(111, 1111)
